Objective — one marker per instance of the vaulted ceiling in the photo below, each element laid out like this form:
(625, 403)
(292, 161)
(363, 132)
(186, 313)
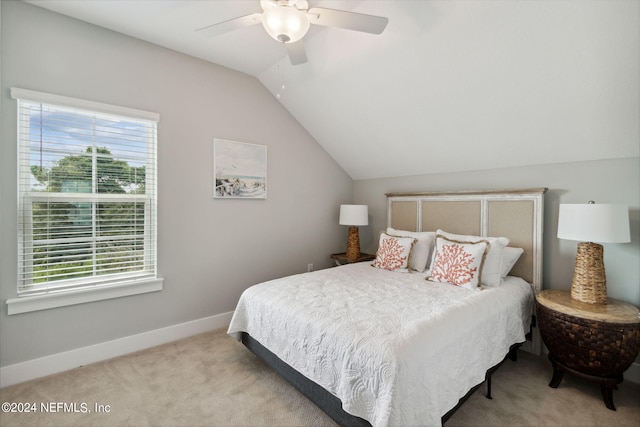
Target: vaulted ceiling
(448, 86)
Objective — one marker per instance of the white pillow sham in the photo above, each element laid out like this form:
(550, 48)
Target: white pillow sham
(509, 258)
(425, 241)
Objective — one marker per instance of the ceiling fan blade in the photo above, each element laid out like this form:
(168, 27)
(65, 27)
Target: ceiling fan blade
(230, 25)
(297, 54)
(348, 20)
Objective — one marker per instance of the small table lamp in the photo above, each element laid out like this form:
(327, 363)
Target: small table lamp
(353, 215)
(589, 223)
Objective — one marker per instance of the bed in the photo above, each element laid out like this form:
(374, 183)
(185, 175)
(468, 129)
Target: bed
(394, 345)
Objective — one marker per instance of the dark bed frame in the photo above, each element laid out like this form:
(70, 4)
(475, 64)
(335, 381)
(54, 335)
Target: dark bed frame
(330, 404)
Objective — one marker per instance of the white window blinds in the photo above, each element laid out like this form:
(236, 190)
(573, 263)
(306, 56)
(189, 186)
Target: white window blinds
(87, 193)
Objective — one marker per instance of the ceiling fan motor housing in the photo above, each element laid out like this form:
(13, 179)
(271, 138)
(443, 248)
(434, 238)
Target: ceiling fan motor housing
(285, 23)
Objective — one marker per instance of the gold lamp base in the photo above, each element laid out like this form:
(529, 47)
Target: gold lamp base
(353, 244)
(589, 281)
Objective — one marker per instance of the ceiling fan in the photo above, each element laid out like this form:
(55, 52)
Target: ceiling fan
(287, 21)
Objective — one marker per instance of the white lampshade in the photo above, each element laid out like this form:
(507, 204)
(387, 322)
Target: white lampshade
(597, 223)
(285, 24)
(354, 215)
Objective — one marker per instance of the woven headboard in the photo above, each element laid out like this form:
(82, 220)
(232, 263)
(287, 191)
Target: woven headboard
(515, 214)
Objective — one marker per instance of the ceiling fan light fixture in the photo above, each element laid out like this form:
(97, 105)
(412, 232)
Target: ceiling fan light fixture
(285, 24)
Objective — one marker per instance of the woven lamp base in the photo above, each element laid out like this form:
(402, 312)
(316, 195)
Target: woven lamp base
(589, 281)
(353, 244)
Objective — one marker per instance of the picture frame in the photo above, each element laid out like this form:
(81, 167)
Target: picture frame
(239, 170)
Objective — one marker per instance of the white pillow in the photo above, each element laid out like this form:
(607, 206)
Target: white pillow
(422, 248)
(394, 253)
(459, 263)
(509, 258)
(491, 269)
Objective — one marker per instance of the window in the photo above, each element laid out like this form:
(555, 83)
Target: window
(87, 194)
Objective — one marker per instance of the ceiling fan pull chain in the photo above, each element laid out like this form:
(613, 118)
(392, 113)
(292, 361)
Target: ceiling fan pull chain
(282, 87)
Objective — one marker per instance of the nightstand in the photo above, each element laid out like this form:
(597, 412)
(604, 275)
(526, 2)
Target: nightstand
(341, 258)
(594, 341)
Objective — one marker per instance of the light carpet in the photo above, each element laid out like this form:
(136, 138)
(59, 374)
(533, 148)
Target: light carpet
(212, 380)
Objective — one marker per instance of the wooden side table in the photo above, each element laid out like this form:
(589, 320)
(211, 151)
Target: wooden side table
(341, 258)
(594, 341)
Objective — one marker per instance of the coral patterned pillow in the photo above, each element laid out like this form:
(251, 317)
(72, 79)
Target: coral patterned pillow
(459, 263)
(492, 263)
(394, 253)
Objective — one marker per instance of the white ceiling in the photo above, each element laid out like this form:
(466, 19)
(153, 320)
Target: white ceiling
(449, 86)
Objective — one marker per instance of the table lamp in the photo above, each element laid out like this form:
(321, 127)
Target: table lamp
(353, 215)
(588, 224)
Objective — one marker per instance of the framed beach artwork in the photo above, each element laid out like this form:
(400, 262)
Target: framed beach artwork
(239, 170)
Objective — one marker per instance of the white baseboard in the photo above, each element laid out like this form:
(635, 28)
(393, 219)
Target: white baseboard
(36, 368)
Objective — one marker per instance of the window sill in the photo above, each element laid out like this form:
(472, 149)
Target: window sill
(61, 299)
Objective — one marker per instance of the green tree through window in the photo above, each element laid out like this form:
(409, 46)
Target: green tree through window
(113, 176)
(72, 223)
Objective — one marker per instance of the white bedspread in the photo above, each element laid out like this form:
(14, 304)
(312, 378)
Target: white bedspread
(396, 349)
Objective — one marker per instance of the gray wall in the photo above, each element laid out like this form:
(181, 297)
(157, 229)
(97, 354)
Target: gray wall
(604, 181)
(209, 250)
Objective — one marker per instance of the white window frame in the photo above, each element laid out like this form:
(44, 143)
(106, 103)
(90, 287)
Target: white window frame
(90, 288)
